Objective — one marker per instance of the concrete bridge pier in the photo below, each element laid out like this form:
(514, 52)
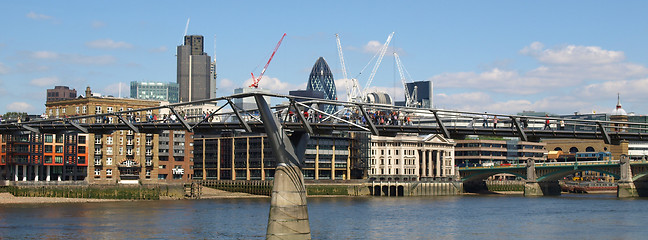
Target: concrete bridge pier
(534, 188)
(531, 186)
(626, 187)
(288, 217)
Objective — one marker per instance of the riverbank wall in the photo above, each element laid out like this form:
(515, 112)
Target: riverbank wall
(84, 190)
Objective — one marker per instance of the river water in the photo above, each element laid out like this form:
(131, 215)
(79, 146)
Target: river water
(569, 216)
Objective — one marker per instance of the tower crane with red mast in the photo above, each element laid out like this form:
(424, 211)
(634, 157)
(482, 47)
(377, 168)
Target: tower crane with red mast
(256, 80)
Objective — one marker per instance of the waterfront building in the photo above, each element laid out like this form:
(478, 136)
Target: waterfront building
(574, 146)
(412, 158)
(250, 157)
(194, 70)
(28, 156)
(158, 91)
(175, 156)
(487, 152)
(59, 93)
(125, 156)
(321, 79)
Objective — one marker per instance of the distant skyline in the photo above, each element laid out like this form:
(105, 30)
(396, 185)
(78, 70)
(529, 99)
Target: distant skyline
(498, 56)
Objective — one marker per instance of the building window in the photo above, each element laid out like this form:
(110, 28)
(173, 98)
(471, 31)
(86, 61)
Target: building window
(76, 110)
(109, 172)
(48, 148)
(59, 149)
(97, 109)
(109, 109)
(109, 161)
(97, 161)
(97, 172)
(58, 159)
(109, 150)
(48, 159)
(49, 138)
(109, 140)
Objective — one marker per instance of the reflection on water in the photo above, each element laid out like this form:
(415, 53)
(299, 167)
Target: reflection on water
(455, 217)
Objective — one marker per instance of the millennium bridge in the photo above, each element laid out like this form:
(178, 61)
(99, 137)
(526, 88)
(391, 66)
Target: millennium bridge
(289, 124)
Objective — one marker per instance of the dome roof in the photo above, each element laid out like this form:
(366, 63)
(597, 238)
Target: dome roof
(618, 111)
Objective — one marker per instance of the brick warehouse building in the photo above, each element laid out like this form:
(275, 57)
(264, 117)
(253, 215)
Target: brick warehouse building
(124, 156)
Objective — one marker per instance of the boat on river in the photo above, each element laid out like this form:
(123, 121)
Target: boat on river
(588, 186)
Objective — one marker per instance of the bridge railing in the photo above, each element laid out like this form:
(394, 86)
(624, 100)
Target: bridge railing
(368, 117)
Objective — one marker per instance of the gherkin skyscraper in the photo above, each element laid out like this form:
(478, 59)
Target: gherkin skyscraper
(321, 79)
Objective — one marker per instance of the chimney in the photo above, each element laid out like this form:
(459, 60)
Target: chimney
(88, 92)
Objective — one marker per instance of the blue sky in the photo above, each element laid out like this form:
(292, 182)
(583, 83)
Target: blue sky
(495, 56)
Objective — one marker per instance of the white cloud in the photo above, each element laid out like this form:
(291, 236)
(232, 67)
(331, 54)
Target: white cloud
(3, 69)
(44, 55)
(571, 54)
(113, 89)
(98, 24)
(73, 58)
(44, 81)
(158, 49)
(372, 47)
(38, 16)
(108, 44)
(274, 85)
(19, 107)
(484, 102)
(569, 66)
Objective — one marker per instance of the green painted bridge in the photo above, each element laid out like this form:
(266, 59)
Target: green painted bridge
(542, 178)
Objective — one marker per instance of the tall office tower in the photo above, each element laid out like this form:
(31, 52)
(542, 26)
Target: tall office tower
(321, 79)
(194, 70)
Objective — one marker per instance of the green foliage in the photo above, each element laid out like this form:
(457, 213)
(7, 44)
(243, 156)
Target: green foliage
(101, 192)
(14, 115)
(313, 190)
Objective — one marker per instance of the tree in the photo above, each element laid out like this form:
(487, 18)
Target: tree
(14, 115)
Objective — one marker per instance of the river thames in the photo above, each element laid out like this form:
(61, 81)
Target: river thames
(569, 216)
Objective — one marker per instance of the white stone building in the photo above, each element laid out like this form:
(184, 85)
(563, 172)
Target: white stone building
(411, 158)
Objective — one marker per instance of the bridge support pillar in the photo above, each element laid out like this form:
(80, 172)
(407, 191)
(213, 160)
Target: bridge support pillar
(288, 210)
(626, 187)
(532, 189)
(531, 186)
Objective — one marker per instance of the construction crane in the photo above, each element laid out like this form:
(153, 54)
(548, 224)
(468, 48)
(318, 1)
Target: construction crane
(410, 99)
(353, 91)
(382, 51)
(256, 80)
(352, 88)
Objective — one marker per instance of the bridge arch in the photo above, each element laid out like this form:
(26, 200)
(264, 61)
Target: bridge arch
(484, 175)
(562, 173)
(573, 150)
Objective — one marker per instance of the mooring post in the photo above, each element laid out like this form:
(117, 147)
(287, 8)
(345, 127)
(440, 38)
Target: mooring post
(288, 210)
